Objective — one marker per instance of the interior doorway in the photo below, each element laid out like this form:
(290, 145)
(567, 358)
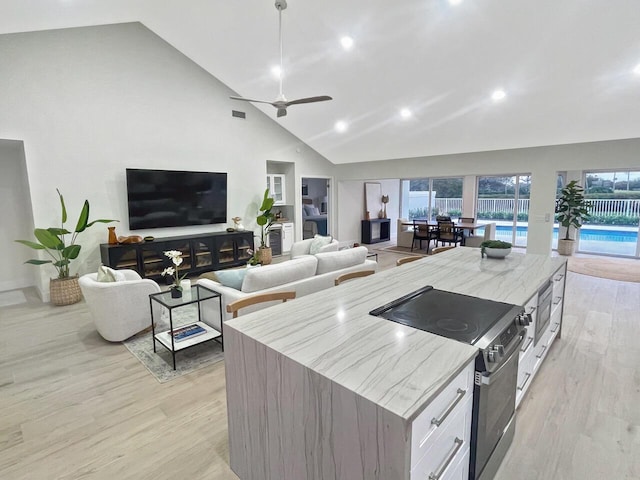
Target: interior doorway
(316, 200)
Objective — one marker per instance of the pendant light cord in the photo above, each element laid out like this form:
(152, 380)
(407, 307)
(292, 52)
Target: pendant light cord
(280, 37)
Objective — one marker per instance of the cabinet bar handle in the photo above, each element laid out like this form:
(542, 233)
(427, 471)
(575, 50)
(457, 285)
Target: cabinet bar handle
(533, 309)
(559, 277)
(559, 299)
(438, 473)
(438, 421)
(556, 329)
(544, 347)
(526, 347)
(528, 376)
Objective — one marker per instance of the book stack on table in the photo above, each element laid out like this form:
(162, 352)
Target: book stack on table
(187, 331)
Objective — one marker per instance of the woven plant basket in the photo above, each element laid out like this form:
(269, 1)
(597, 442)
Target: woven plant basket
(264, 255)
(65, 291)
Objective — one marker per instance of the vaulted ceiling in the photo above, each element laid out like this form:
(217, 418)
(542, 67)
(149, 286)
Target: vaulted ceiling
(566, 67)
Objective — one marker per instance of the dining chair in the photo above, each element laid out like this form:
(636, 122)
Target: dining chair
(233, 307)
(423, 231)
(466, 233)
(447, 232)
(437, 250)
(403, 260)
(348, 276)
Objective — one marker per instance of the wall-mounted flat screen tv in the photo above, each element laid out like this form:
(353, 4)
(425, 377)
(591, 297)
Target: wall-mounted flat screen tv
(171, 198)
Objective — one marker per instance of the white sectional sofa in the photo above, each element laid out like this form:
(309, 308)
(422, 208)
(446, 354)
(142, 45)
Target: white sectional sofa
(305, 274)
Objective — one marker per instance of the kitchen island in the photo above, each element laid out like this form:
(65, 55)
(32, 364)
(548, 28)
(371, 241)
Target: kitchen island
(319, 389)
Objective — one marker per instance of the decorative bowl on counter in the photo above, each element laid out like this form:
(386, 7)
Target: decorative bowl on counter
(495, 248)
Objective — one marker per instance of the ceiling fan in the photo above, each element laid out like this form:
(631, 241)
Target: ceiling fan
(281, 103)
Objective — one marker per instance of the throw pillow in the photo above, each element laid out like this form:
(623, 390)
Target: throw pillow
(315, 210)
(106, 274)
(232, 278)
(308, 209)
(318, 242)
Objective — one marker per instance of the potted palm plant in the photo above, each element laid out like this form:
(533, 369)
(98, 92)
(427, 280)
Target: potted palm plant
(65, 289)
(573, 210)
(265, 220)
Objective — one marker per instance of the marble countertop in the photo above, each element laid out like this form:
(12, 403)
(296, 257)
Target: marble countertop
(397, 367)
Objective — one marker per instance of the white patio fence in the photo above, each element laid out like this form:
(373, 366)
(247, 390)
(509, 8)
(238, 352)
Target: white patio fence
(599, 207)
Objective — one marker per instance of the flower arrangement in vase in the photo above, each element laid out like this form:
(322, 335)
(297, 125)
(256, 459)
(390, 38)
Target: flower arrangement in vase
(176, 259)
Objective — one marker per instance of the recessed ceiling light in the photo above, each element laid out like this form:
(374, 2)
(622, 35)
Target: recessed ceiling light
(346, 42)
(276, 71)
(455, 2)
(405, 113)
(341, 126)
(637, 69)
(498, 95)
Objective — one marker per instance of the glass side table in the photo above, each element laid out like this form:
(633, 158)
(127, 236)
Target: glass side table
(196, 295)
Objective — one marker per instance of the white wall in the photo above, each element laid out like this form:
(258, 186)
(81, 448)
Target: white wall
(15, 218)
(351, 204)
(542, 162)
(90, 102)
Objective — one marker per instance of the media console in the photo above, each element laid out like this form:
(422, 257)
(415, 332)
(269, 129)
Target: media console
(201, 253)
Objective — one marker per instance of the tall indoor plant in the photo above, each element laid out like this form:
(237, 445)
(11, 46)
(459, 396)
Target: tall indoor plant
(62, 250)
(265, 220)
(573, 210)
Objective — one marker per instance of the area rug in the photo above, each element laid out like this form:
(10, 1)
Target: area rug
(611, 268)
(160, 363)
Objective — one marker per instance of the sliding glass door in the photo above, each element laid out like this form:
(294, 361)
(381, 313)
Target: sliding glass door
(505, 201)
(615, 213)
(425, 198)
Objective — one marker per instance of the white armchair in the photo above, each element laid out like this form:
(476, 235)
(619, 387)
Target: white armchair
(303, 247)
(476, 240)
(120, 309)
(404, 233)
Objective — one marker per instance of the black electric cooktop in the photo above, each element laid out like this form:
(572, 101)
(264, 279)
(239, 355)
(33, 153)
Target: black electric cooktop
(452, 315)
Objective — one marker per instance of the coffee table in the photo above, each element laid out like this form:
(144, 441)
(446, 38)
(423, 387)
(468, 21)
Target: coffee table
(195, 295)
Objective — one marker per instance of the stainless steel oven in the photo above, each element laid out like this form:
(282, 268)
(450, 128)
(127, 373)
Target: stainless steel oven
(497, 330)
(545, 295)
(494, 403)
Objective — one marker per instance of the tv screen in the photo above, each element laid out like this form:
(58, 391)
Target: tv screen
(170, 198)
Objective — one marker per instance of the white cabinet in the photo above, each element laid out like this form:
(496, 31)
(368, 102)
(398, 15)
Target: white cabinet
(287, 236)
(440, 435)
(532, 356)
(525, 364)
(277, 188)
(558, 288)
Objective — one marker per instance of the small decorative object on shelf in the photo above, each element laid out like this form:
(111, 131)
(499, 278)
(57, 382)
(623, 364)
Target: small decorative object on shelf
(385, 200)
(113, 239)
(176, 259)
(495, 248)
(237, 226)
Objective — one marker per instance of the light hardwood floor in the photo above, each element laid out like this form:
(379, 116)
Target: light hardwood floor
(73, 406)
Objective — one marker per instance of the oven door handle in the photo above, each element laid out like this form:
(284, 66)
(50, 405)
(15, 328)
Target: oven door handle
(487, 379)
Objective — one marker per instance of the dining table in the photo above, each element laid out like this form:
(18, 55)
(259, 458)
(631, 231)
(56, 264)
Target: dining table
(465, 227)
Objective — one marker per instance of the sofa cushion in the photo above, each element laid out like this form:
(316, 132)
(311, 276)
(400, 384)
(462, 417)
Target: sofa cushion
(332, 261)
(318, 242)
(279, 273)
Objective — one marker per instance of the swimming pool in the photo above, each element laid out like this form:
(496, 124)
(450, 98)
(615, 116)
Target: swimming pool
(586, 234)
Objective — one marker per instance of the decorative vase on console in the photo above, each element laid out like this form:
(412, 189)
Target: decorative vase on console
(385, 200)
(113, 238)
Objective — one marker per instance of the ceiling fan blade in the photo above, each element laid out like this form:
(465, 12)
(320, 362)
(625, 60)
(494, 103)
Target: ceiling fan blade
(282, 112)
(322, 98)
(250, 100)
